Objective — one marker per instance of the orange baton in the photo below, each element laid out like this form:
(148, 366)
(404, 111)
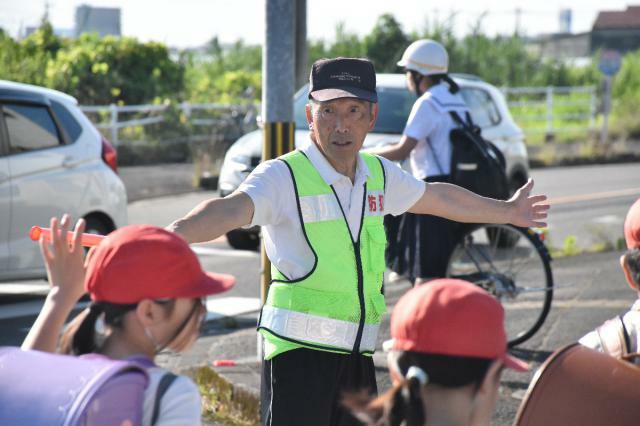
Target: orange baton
(87, 240)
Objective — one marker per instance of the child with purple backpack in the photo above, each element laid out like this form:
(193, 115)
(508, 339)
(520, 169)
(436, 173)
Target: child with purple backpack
(146, 287)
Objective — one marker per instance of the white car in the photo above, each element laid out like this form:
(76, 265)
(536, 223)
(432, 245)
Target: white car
(486, 103)
(52, 161)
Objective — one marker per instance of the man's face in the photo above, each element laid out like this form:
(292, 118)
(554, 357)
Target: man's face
(339, 126)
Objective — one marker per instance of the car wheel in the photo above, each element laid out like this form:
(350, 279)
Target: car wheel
(243, 240)
(96, 226)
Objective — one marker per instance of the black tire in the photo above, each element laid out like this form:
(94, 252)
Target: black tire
(518, 276)
(96, 225)
(243, 240)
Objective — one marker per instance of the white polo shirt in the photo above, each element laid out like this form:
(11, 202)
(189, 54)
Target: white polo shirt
(430, 120)
(270, 187)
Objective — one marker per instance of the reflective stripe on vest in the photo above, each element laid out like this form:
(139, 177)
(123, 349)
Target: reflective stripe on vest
(319, 330)
(338, 305)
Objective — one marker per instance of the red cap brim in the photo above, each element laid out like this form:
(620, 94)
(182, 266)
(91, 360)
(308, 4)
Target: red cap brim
(214, 283)
(514, 363)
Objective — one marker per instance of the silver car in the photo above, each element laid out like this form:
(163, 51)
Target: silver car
(486, 103)
(52, 161)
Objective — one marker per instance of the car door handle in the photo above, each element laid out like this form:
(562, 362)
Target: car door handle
(69, 162)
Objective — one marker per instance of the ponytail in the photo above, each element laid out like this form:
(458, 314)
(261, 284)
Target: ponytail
(405, 406)
(401, 405)
(434, 79)
(80, 338)
(453, 86)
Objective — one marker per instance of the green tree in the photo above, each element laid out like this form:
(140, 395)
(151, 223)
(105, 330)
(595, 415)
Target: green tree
(115, 70)
(385, 44)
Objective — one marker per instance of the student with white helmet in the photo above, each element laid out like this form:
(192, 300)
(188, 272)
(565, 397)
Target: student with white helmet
(424, 243)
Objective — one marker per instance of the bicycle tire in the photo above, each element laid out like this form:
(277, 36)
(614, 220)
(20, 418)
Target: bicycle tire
(477, 257)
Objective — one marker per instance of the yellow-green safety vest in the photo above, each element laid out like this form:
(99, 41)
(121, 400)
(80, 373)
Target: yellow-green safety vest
(338, 305)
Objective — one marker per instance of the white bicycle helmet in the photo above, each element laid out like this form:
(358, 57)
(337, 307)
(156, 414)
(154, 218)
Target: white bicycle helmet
(426, 57)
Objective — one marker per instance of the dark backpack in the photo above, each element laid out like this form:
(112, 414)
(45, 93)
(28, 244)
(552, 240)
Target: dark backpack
(476, 164)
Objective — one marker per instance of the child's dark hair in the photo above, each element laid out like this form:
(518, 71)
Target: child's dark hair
(434, 79)
(79, 337)
(403, 403)
(632, 259)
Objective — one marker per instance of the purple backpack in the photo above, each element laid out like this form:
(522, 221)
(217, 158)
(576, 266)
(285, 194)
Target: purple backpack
(39, 388)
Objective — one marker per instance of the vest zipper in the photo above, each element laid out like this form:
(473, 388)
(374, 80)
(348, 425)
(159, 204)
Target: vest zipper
(356, 248)
(356, 252)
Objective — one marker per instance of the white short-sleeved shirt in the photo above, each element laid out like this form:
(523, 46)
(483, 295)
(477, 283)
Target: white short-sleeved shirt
(430, 120)
(180, 405)
(631, 321)
(271, 189)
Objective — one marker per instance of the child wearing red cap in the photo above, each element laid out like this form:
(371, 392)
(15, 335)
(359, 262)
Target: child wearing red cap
(447, 351)
(146, 287)
(619, 336)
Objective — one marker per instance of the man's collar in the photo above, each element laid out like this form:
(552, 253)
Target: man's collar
(326, 170)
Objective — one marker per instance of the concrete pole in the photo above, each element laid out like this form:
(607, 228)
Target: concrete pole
(278, 80)
(604, 133)
(302, 69)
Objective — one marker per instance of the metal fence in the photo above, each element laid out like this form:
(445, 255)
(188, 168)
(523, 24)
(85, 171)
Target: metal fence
(547, 111)
(553, 110)
(112, 118)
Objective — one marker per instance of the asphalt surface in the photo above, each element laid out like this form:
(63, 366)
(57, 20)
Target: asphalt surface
(588, 203)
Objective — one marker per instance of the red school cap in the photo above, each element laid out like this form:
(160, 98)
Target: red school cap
(140, 262)
(632, 226)
(452, 317)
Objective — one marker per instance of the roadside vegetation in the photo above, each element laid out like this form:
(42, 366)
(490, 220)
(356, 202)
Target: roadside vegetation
(125, 71)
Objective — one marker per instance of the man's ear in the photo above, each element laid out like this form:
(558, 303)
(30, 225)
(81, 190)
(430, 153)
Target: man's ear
(627, 273)
(374, 116)
(309, 115)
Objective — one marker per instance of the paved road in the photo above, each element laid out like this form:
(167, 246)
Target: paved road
(590, 288)
(588, 202)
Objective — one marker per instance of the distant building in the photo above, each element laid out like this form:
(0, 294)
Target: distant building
(101, 20)
(618, 30)
(60, 32)
(562, 46)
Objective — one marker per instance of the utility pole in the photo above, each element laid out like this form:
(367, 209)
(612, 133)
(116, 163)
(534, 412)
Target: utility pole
(278, 79)
(518, 14)
(302, 69)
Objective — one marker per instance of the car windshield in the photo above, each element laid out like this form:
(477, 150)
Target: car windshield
(395, 106)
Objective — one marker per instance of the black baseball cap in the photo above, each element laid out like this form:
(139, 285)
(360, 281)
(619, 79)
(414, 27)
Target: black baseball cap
(343, 78)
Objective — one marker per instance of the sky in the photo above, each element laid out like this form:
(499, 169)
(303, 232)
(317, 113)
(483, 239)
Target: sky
(191, 23)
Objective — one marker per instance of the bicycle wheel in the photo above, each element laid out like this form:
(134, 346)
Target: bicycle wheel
(519, 276)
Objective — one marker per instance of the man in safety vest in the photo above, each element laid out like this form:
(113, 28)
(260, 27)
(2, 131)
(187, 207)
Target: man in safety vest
(321, 208)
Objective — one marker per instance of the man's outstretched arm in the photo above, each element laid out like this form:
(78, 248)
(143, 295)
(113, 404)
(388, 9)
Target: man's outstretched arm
(213, 218)
(461, 205)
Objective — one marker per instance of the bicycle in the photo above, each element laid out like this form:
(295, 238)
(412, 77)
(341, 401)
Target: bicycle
(513, 265)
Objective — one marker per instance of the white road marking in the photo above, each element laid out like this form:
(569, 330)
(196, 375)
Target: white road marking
(571, 304)
(570, 199)
(26, 309)
(216, 308)
(17, 288)
(610, 219)
(212, 251)
(231, 306)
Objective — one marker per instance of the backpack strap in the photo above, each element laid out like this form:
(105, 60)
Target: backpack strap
(163, 386)
(614, 337)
